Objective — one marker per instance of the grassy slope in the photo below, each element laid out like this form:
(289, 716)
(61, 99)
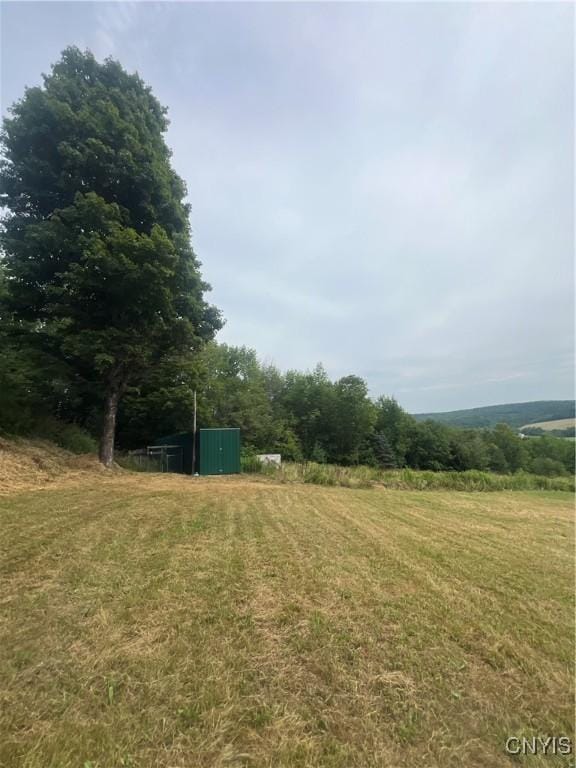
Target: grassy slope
(164, 621)
(26, 464)
(514, 414)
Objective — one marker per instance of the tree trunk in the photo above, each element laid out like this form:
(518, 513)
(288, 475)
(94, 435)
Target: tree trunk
(106, 453)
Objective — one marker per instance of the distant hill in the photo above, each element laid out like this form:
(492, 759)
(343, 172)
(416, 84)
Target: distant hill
(514, 414)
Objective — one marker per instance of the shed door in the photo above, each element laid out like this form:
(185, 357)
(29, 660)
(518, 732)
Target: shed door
(219, 451)
(230, 451)
(210, 452)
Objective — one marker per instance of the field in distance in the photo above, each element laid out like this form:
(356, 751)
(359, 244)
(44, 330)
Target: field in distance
(551, 425)
(169, 621)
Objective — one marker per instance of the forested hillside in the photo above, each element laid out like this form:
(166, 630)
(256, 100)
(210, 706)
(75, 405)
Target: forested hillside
(513, 414)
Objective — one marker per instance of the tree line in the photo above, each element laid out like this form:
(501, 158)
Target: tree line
(305, 416)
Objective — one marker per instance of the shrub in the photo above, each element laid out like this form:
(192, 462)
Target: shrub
(547, 467)
(250, 463)
(419, 480)
(71, 437)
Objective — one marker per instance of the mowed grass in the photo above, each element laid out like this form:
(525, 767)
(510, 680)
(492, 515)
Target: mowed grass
(164, 621)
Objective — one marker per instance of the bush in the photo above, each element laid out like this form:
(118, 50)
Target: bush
(413, 479)
(547, 467)
(250, 463)
(71, 437)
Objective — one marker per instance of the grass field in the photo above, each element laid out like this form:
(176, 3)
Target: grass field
(550, 425)
(175, 622)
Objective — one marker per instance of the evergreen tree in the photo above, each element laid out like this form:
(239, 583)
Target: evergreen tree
(383, 452)
(393, 422)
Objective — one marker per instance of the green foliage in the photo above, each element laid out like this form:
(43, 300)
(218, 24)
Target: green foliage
(35, 387)
(69, 436)
(383, 452)
(250, 464)
(307, 399)
(100, 274)
(91, 127)
(429, 446)
(352, 418)
(510, 445)
(271, 409)
(549, 449)
(161, 401)
(395, 424)
(111, 305)
(548, 467)
(235, 395)
(469, 450)
(421, 480)
(318, 454)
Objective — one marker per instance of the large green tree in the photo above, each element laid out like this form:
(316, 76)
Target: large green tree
(352, 419)
(99, 265)
(307, 399)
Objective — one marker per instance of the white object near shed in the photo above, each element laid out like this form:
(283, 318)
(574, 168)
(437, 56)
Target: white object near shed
(270, 458)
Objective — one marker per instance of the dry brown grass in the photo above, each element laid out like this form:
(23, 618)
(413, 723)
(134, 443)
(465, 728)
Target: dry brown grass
(556, 424)
(166, 621)
(26, 464)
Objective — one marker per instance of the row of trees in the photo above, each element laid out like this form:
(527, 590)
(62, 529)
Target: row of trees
(306, 416)
(302, 415)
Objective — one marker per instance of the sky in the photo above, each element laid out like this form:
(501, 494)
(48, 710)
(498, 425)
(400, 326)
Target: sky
(386, 188)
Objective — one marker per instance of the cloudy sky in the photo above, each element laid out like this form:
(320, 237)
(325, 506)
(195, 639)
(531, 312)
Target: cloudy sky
(386, 188)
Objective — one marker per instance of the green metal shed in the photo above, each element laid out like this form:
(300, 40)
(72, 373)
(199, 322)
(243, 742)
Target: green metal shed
(219, 451)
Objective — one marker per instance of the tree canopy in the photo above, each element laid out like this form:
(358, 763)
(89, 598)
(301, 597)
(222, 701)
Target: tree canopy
(99, 269)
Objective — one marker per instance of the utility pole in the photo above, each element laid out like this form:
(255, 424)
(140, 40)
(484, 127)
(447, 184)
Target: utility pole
(194, 439)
